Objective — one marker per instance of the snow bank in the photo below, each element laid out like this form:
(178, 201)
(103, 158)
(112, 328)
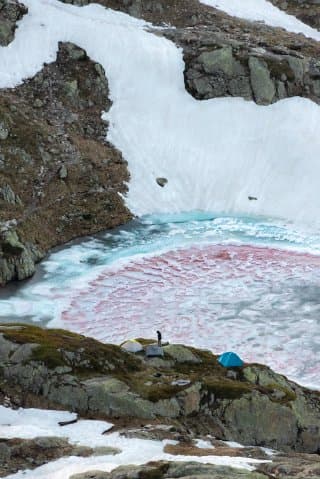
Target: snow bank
(214, 153)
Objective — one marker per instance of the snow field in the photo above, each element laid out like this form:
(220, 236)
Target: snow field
(214, 153)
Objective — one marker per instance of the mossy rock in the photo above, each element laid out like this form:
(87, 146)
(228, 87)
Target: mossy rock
(226, 388)
(85, 356)
(181, 354)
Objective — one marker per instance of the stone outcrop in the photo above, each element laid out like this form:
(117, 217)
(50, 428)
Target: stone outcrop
(11, 11)
(59, 178)
(226, 56)
(217, 65)
(254, 405)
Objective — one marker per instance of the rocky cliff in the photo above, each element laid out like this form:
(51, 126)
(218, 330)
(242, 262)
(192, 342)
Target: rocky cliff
(59, 178)
(252, 405)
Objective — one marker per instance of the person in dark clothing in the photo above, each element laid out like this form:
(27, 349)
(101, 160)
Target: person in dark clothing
(159, 338)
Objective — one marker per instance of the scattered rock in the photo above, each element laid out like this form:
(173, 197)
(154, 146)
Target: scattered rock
(4, 132)
(9, 195)
(162, 181)
(63, 172)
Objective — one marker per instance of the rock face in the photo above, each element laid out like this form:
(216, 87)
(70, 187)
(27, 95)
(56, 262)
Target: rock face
(10, 12)
(188, 386)
(59, 178)
(240, 68)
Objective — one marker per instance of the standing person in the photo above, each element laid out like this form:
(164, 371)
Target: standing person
(159, 338)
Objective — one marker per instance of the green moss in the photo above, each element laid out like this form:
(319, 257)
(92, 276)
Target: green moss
(52, 358)
(226, 389)
(271, 388)
(55, 344)
(156, 392)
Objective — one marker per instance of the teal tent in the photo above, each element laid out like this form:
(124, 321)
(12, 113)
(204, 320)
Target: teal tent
(230, 360)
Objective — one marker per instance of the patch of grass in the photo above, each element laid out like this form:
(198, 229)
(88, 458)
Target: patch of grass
(52, 358)
(289, 395)
(227, 388)
(90, 356)
(157, 391)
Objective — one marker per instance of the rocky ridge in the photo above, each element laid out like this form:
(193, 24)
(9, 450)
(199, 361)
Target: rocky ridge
(252, 405)
(59, 178)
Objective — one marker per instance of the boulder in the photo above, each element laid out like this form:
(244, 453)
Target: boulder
(262, 85)
(181, 354)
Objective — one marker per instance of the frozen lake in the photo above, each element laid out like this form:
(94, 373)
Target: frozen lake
(225, 283)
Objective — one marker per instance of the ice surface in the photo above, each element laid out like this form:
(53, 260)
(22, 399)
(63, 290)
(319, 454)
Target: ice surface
(263, 11)
(198, 281)
(214, 153)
